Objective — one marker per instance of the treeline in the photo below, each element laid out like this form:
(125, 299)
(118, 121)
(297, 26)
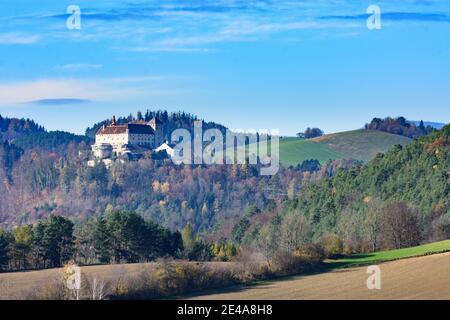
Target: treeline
(400, 199)
(399, 126)
(310, 133)
(11, 128)
(53, 141)
(118, 238)
(170, 122)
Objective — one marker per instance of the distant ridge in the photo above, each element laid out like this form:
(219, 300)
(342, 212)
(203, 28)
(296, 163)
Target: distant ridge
(436, 125)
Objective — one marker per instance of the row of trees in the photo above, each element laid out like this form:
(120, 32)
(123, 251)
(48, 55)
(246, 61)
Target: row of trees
(310, 133)
(118, 238)
(399, 126)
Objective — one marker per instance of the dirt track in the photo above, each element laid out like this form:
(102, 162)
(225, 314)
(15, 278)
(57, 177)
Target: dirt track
(417, 278)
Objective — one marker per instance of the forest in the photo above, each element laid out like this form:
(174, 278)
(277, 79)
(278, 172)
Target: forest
(199, 212)
(400, 199)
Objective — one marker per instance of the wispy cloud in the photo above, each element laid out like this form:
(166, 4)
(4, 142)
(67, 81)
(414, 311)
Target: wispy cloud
(60, 101)
(79, 66)
(395, 16)
(167, 49)
(18, 38)
(75, 91)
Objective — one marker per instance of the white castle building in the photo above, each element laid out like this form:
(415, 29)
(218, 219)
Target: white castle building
(124, 138)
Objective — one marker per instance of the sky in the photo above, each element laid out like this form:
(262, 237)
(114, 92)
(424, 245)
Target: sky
(256, 64)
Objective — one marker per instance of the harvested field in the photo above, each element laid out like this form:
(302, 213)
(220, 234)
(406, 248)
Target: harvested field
(425, 277)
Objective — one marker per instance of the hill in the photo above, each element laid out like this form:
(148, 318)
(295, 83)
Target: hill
(12, 128)
(436, 125)
(409, 184)
(294, 151)
(361, 145)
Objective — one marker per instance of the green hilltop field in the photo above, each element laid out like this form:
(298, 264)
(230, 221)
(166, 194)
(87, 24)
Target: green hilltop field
(360, 145)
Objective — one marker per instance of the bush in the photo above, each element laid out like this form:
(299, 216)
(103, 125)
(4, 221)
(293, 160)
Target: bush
(332, 245)
(174, 278)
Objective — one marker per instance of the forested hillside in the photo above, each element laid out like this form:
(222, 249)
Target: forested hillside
(11, 128)
(399, 199)
(46, 173)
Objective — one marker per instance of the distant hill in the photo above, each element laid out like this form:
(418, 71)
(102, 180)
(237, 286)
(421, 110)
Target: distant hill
(12, 128)
(417, 174)
(435, 125)
(361, 145)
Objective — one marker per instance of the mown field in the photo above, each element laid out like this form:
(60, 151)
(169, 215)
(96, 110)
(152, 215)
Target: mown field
(421, 272)
(360, 145)
(425, 277)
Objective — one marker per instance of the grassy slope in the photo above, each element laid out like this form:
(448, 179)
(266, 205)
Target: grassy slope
(294, 151)
(382, 256)
(361, 144)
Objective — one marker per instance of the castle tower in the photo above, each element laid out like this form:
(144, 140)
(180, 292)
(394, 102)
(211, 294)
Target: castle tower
(156, 125)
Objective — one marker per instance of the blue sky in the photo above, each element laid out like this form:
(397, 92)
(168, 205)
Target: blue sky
(247, 64)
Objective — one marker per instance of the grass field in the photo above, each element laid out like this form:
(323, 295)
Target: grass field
(360, 145)
(383, 256)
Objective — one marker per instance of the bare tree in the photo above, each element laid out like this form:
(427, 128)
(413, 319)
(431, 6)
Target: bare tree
(98, 289)
(294, 232)
(401, 226)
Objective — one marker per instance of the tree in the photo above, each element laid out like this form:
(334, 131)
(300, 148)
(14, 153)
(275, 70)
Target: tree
(53, 241)
(240, 229)
(373, 225)
(295, 232)
(311, 165)
(23, 241)
(4, 250)
(401, 226)
(188, 237)
(102, 245)
(312, 133)
(85, 242)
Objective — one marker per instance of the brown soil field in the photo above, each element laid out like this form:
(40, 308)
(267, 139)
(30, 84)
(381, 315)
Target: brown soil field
(18, 285)
(416, 278)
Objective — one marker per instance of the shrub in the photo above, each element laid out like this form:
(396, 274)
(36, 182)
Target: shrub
(332, 245)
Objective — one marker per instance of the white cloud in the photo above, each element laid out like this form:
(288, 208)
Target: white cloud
(111, 89)
(79, 66)
(168, 49)
(18, 38)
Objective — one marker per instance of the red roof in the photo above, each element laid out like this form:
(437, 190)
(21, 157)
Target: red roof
(133, 128)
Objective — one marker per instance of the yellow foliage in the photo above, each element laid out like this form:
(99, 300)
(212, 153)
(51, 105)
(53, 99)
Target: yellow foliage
(165, 187)
(156, 186)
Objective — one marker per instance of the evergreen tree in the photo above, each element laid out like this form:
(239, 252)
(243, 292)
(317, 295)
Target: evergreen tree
(4, 250)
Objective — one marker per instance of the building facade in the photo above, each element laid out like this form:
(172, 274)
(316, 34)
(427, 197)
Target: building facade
(118, 139)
